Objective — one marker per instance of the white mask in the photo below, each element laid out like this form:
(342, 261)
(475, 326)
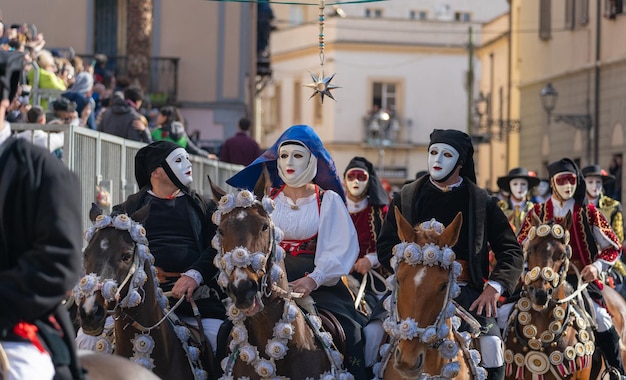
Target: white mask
(543, 188)
(296, 165)
(519, 188)
(563, 184)
(442, 160)
(178, 162)
(357, 180)
(594, 186)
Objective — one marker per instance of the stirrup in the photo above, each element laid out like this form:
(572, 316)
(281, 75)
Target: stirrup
(612, 371)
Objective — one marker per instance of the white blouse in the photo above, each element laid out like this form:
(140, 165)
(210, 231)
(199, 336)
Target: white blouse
(337, 242)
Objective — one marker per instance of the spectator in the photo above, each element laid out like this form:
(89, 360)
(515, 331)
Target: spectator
(52, 140)
(240, 149)
(171, 128)
(40, 249)
(123, 118)
(80, 93)
(47, 75)
(63, 112)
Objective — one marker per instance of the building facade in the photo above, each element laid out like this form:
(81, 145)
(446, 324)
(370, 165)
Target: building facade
(402, 67)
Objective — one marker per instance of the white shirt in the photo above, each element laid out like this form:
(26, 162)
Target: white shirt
(40, 138)
(337, 242)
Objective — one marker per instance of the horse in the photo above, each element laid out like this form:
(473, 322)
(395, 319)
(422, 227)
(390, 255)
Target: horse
(100, 366)
(548, 333)
(271, 336)
(121, 280)
(425, 342)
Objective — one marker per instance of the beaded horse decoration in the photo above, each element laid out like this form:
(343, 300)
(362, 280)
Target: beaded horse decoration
(548, 336)
(235, 266)
(427, 342)
(128, 290)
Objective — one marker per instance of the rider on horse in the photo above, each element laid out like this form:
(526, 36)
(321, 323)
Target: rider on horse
(595, 247)
(367, 203)
(179, 230)
(518, 184)
(449, 188)
(320, 240)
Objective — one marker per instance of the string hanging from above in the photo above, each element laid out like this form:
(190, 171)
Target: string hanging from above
(321, 85)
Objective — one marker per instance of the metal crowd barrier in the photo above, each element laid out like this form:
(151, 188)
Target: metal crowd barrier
(106, 161)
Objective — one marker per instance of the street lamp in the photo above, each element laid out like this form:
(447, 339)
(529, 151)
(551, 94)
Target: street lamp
(549, 96)
(482, 108)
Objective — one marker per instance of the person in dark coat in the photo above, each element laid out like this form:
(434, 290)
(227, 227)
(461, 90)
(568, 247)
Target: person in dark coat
(40, 258)
(123, 118)
(241, 149)
(179, 230)
(451, 187)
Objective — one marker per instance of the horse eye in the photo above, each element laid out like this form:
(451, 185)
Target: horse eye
(265, 226)
(444, 287)
(220, 232)
(126, 256)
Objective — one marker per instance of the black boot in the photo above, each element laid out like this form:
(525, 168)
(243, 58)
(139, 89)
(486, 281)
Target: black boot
(608, 342)
(495, 373)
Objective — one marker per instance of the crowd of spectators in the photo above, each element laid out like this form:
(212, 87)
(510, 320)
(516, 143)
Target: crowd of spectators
(91, 95)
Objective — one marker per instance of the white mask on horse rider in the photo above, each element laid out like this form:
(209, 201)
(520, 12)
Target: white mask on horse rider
(179, 164)
(296, 165)
(519, 188)
(565, 184)
(442, 160)
(594, 186)
(357, 181)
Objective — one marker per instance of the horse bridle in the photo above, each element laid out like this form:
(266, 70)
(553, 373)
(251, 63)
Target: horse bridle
(263, 263)
(555, 279)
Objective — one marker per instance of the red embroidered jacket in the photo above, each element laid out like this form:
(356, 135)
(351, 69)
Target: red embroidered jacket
(578, 235)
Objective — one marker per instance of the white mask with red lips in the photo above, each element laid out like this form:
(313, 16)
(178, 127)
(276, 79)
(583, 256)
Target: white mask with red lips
(179, 164)
(594, 186)
(442, 160)
(519, 188)
(296, 165)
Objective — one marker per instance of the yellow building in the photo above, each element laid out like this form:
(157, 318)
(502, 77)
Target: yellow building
(577, 47)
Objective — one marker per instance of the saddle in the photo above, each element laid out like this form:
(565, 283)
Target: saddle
(330, 323)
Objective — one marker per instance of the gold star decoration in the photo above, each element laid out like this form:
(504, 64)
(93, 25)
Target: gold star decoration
(322, 86)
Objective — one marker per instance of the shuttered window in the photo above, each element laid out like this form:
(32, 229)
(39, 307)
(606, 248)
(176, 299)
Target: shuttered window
(545, 19)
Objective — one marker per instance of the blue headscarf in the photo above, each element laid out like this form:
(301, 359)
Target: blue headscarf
(326, 178)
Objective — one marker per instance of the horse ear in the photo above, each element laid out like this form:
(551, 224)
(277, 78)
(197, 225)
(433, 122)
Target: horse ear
(450, 234)
(534, 219)
(567, 222)
(405, 230)
(141, 215)
(264, 184)
(94, 212)
(217, 191)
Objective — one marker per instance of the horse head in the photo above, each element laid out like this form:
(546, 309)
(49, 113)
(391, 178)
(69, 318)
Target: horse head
(547, 253)
(424, 265)
(108, 259)
(249, 257)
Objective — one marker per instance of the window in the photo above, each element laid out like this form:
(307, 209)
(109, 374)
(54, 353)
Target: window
(374, 12)
(545, 19)
(384, 95)
(418, 15)
(462, 16)
(612, 8)
(576, 13)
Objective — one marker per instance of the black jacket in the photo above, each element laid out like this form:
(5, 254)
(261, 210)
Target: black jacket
(40, 243)
(204, 230)
(488, 229)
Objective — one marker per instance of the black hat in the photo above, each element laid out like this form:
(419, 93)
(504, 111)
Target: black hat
(596, 170)
(375, 190)
(567, 165)
(504, 182)
(151, 157)
(63, 104)
(460, 141)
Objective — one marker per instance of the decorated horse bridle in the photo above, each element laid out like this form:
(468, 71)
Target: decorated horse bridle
(435, 335)
(136, 277)
(560, 362)
(267, 266)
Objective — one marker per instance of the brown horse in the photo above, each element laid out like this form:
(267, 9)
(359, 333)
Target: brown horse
(271, 337)
(547, 333)
(423, 330)
(121, 280)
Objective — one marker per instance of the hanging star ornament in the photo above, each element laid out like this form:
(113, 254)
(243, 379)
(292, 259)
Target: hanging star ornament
(322, 86)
